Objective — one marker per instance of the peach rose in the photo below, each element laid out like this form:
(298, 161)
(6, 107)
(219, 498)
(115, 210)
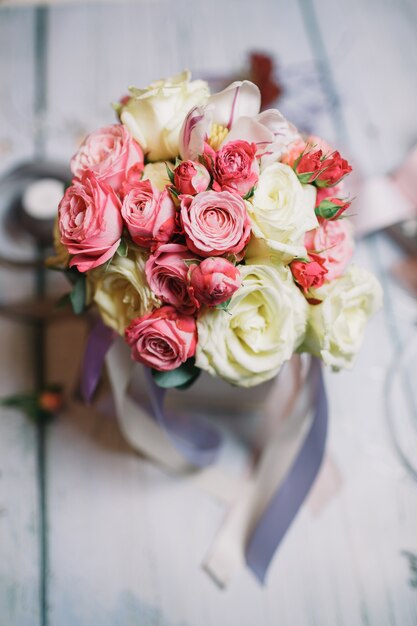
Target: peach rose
(90, 223)
(163, 339)
(215, 223)
(111, 154)
(167, 274)
(149, 214)
(333, 242)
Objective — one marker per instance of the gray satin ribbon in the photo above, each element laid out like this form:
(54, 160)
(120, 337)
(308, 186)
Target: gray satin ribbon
(287, 500)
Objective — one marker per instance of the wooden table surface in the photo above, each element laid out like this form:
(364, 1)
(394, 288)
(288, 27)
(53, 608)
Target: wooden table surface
(125, 540)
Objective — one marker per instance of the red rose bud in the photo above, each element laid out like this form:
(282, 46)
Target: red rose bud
(309, 274)
(191, 178)
(309, 166)
(332, 208)
(334, 169)
(214, 281)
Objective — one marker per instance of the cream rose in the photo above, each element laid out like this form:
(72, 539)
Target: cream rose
(154, 115)
(336, 326)
(264, 324)
(121, 292)
(157, 174)
(282, 210)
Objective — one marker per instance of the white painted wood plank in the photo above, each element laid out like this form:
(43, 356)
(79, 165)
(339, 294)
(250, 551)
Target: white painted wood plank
(19, 580)
(16, 85)
(19, 544)
(126, 540)
(373, 52)
(376, 527)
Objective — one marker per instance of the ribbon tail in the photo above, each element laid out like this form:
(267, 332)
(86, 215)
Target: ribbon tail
(287, 500)
(192, 437)
(99, 341)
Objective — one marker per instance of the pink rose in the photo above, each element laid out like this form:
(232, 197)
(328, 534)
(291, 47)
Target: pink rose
(163, 339)
(214, 281)
(167, 275)
(236, 168)
(109, 153)
(149, 214)
(215, 223)
(333, 242)
(191, 178)
(89, 222)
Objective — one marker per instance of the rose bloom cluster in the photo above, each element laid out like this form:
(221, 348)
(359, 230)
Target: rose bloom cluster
(213, 232)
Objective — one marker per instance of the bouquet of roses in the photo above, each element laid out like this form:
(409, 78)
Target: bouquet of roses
(213, 237)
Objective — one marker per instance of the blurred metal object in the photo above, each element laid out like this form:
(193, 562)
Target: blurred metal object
(24, 238)
(14, 219)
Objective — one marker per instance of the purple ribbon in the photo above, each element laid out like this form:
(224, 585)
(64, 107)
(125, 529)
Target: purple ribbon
(200, 445)
(98, 343)
(198, 442)
(287, 500)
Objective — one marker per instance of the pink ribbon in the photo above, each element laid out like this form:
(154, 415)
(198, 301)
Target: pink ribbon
(386, 200)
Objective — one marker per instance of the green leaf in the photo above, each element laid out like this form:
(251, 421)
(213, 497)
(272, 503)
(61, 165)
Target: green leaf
(78, 295)
(170, 173)
(181, 378)
(178, 161)
(16, 400)
(123, 248)
(63, 302)
(250, 193)
(327, 209)
(224, 306)
(189, 262)
(72, 274)
(107, 264)
(305, 177)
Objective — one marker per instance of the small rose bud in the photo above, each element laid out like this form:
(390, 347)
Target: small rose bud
(309, 274)
(191, 178)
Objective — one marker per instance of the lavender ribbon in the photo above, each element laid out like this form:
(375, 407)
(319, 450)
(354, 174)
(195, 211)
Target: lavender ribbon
(197, 441)
(98, 343)
(287, 500)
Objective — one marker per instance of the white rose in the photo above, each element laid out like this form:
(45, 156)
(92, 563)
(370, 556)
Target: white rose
(154, 116)
(264, 324)
(157, 174)
(336, 326)
(121, 292)
(282, 210)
